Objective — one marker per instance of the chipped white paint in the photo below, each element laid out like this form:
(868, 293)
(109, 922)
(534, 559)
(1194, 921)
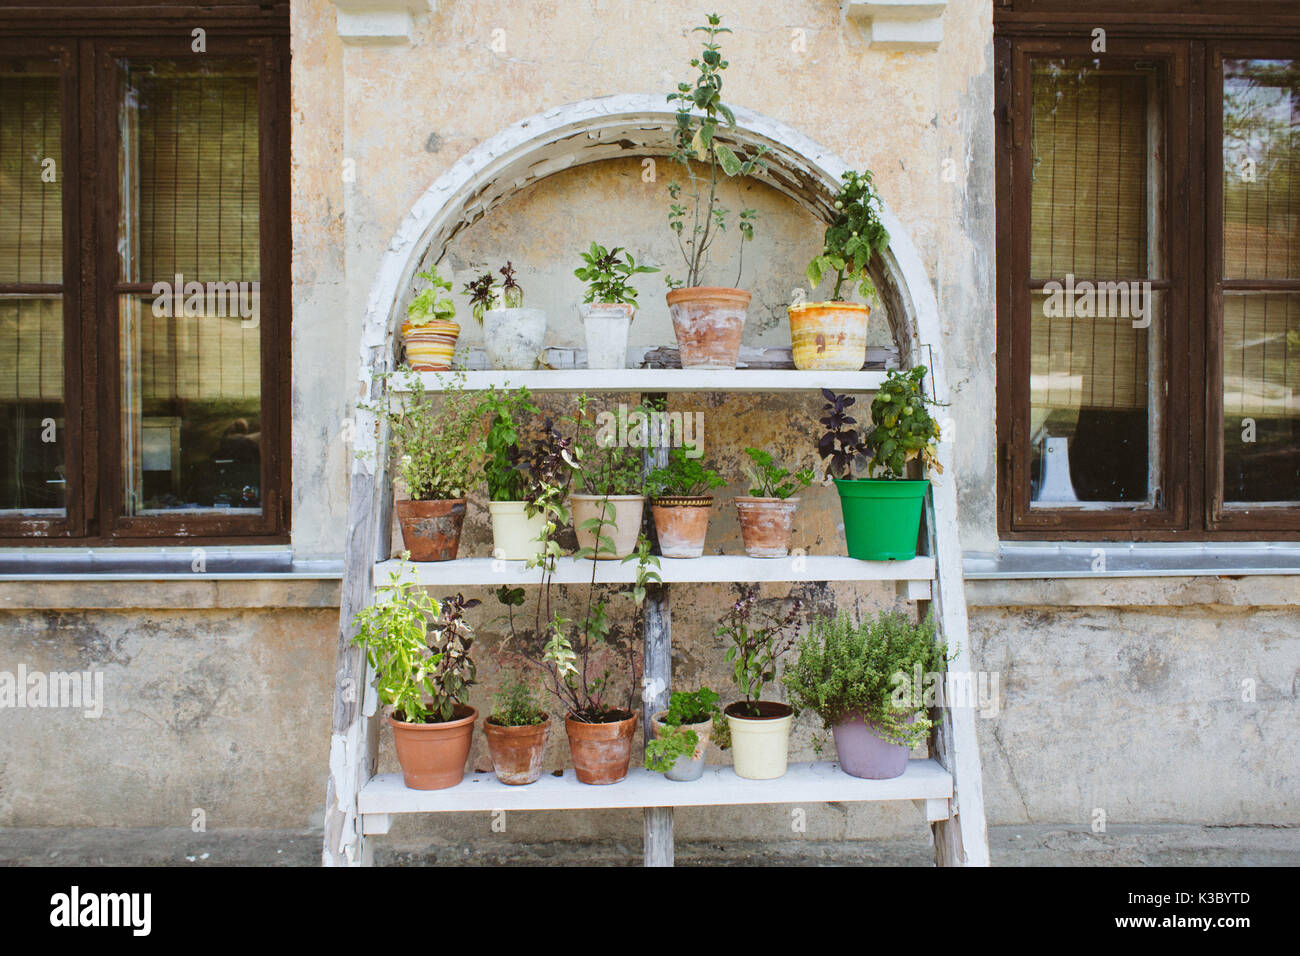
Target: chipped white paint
(899, 25)
(575, 134)
(379, 21)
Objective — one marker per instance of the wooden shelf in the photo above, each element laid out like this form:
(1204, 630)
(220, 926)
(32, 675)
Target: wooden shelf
(722, 568)
(656, 380)
(822, 782)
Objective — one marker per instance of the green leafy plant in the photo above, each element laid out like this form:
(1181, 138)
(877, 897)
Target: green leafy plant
(431, 303)
(504, 465)
(682, 477)
(436, 447)
(758, 638)
(902, 430)
(601, 465)
(853, 237)
(419, 649)
(846, 667)
(769, 479)
(607, 275)
(516, 703)
(676, 739)
(704, 158)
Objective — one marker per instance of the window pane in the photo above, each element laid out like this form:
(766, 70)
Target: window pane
(33, 440)
(1093, 411)
(1093, 152)
(191, 348)
(32, 436)
(31, 173)
(1261, 397)
(1261, 198)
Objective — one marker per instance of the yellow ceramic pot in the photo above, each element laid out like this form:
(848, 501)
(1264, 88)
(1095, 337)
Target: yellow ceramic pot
(829, 335)
(429, 347)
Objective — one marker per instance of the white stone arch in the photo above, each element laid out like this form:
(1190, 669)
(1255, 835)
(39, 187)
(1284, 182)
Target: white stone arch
(618, 126)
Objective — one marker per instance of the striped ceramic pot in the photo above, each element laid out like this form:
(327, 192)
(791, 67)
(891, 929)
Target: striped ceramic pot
(429, 347)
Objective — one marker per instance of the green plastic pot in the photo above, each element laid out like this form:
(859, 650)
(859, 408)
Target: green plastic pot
(882, 518)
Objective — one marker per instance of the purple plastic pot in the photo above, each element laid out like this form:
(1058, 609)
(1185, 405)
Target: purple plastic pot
(863, 754)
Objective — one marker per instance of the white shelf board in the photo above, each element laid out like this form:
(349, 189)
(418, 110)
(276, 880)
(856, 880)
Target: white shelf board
(489, 572)
(656, 380)
(822, 782)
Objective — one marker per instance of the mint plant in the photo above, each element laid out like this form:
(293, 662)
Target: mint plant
(607, 275)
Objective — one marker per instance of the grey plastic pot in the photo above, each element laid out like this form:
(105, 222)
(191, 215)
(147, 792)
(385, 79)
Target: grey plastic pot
(687, 768)
(864, 754)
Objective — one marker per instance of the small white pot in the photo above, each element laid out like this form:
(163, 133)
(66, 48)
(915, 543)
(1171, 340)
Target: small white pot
(760, 747)
(606, 325)
(515, 536)
(513, 338)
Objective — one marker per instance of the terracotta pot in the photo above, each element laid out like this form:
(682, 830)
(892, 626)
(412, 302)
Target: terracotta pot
(606, 325)
(760, 745)
(517, 752)
(622, 516)
(690, 767)
(682, 523)
(708, 321)
(431, 529)
(601, 752)
(829, 335)
(513, 338)
(766, 524)
(433, 755)
(430, 347)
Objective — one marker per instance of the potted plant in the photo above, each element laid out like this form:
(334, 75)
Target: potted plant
(435, 453)
(882, 510)
(767, 512)
(420, 652)
(510, 473)
(608, 500)
(758, 730)
(681, 735)
(680, 503)
(429, 334)
(833, 335)
(609, 306)
(708, 320)
(512, 335)
(859, 678)
(575, 657)
(517, 732)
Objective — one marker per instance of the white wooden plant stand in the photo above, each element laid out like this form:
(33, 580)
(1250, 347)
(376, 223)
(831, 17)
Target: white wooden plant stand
(361, 804)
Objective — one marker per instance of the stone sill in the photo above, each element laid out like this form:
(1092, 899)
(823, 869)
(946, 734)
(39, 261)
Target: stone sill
(898, 25)
(372, 22)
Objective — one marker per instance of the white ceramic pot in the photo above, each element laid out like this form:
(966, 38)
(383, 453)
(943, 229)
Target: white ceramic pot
(760, 746)
(606, 325)
(622, 516)
(513, 338)
(514, 534)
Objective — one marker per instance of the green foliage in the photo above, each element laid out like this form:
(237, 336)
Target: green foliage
(769, 479)
(682, 477)
(699, 110)
(847, 666)
(903, 427)
(506, 477)
(647, 568)
(855, 235)
(418, 648)
(607, 275)
(676, 740)
(430, 303)
(600, 465)
(758, 639)
(436, 448)
(516, 703)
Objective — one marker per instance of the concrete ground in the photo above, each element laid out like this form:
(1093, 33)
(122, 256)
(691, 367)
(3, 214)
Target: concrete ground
(1164, 845)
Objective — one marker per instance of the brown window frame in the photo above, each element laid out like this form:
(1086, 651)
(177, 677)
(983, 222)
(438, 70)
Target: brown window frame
(88, 49)
(1192, 38)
